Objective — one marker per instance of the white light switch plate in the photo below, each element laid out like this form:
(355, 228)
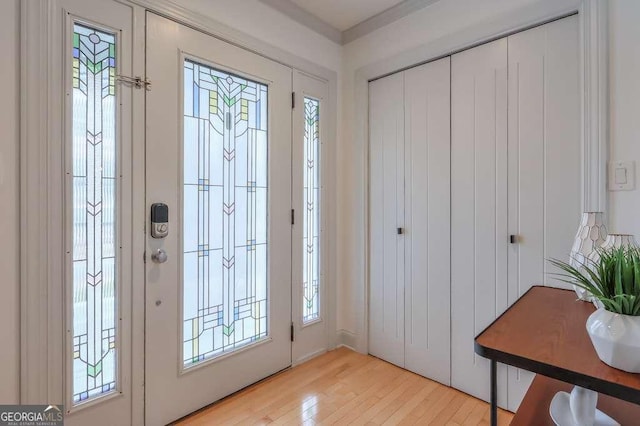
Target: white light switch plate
(622, 175)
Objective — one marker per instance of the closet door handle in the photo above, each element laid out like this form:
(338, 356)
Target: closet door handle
(400, 231)
(513, 239)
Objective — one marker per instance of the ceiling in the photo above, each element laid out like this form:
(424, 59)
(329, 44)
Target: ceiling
(344, 14)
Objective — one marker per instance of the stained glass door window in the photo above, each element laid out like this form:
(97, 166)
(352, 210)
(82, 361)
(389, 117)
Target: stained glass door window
(94, 301)
(311, 208)
(224, 213)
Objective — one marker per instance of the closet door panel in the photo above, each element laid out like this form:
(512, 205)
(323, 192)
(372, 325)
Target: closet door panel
(544, 159)
(479, 209)
(563, 148)
(386, 210)
(427, 219)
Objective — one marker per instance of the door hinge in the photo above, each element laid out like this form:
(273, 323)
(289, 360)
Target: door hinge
(293, 217)
(292, 331)
(293, 100)
(136, 81)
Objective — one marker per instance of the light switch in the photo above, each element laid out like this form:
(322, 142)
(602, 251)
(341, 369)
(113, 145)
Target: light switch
(622, 175)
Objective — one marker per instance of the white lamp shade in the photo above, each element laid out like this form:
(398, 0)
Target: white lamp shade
(591, 235)
(614, 241)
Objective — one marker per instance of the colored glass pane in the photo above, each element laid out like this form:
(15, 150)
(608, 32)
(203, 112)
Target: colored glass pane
(94, 296)
(311, 208)
(224, 213)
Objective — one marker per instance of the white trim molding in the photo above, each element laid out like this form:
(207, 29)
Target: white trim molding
(347, 339)
(594, 37)
(384, 18)
(40, 203)
(138, 211)
(305, 18)
(360, 29)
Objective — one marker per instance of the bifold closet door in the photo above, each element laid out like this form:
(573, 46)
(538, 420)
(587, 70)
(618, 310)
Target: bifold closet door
(478, 209)
(386, 215)
(515, 171)
(544, 159)
(427, 220)
(409, 294)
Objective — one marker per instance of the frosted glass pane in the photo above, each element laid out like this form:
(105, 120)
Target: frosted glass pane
(94, 213)
(311, 209)
(224, 212)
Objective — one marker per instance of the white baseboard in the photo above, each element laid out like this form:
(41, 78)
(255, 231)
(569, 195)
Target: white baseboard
(346, 339)
(308, 357)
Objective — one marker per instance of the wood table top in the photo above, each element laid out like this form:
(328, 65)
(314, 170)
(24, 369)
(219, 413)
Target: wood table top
(545, 332)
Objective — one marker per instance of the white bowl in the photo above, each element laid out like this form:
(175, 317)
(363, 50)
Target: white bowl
(616, 339)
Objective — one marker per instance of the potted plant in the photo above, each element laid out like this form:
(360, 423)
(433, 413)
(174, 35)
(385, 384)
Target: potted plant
(614, 281)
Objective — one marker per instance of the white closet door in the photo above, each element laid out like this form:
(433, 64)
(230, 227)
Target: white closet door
(544, 159)
(386, 210)
(479, 209)
(427, 221)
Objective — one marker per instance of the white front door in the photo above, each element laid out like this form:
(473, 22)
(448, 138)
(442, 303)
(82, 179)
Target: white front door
(218, 310)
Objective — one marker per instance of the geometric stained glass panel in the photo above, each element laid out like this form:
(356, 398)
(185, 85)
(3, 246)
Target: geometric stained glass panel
(94, 213)
(224, 213)
(311, 209)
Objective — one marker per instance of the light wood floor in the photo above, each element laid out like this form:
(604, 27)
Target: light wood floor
(344, 387)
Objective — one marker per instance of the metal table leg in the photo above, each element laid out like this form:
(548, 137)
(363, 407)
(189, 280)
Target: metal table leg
(494, 393)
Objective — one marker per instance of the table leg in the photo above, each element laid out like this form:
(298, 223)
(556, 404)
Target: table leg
(494, 393)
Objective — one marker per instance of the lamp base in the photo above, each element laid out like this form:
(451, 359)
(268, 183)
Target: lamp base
(564, 409)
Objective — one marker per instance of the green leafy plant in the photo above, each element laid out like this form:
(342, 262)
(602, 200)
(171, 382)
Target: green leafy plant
(614, 279)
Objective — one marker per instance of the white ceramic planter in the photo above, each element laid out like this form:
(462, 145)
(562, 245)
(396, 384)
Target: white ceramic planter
(616, 339)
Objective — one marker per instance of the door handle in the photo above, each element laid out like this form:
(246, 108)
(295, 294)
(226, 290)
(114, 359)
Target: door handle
(159, 256)
(513, 239)
(400, 231)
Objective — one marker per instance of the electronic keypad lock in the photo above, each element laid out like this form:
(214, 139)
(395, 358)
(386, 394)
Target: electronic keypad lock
(159, 220)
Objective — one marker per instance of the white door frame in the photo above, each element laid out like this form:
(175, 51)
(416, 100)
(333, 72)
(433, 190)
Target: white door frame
(41, 177)
(593, 23)
(313, 338)
(42, 146)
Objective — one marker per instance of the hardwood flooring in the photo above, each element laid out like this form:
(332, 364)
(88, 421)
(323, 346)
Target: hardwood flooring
(344, 387)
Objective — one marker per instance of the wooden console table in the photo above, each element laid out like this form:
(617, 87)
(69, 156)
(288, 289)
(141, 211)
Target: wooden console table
(544, 332)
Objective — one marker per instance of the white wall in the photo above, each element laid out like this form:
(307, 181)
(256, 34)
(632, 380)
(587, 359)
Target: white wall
(9, 207)
(441, 27)
(624, 69)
